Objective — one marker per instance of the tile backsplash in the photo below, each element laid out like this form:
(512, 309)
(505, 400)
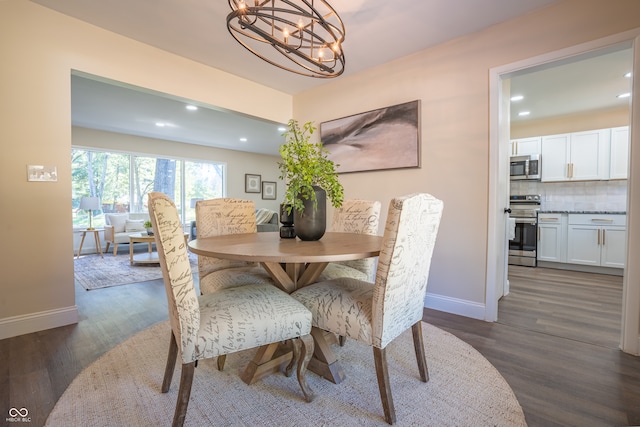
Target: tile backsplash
(578, 196)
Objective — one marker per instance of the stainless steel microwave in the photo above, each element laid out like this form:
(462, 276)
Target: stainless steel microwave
(526, 167)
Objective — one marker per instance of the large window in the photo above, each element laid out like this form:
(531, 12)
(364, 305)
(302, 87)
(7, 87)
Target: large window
(122, 182)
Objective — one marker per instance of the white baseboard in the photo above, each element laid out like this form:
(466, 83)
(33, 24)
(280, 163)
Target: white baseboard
(34, 322)
(455, 306)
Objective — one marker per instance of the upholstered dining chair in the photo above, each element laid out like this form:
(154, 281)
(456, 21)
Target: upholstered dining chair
(376, 313)
(223, 216)
(226, 321)
(354, 216)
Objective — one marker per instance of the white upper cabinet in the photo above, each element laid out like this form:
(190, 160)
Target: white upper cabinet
(526, 146)
(555, 157)
(619, 165)
(578, 156)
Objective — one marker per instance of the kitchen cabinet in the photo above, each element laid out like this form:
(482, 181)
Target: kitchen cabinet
(526, 146)
(619, 162)
(578, 156)
(597, 240)
(552, 237)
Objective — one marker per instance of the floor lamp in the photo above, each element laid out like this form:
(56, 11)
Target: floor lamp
(90, 204)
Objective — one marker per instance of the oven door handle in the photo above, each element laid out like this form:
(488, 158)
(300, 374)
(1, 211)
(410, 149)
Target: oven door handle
(532, 221)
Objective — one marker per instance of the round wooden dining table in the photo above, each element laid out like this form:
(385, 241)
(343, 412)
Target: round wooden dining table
(292, 263)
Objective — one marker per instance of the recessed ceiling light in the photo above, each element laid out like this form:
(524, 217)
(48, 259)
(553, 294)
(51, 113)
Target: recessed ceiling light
(243, 139)
(517, 98)
(282, 129)
(160, 124)
(628, 75)
(524, 113)
(624, 95)
(191, 107)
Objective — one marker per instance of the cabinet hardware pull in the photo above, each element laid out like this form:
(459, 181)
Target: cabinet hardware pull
(601, 220)
(538, 233)
(603, 234)
(549, 219)
(599, 237)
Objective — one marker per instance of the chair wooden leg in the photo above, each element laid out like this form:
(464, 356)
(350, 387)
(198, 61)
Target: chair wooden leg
(115, 249)
(107, 249)
(305, 356)
(342, 340)
(221, 359)
(171, 364)
(418, 344)
(186, 380)
(296, 346)
(380, 358)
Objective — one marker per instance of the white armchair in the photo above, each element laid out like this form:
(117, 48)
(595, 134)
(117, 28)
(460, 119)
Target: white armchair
(119, 226)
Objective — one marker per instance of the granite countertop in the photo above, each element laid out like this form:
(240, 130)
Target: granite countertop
(582, 212)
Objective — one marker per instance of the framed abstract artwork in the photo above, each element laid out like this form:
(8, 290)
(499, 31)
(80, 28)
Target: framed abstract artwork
(386, 138)
(252, 183)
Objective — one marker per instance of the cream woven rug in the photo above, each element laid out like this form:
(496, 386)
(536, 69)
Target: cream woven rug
(94, 272)
(122, 388)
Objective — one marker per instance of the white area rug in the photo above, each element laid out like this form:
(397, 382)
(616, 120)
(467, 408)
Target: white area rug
(122, 388)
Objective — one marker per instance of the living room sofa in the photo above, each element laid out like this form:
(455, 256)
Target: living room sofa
(119, 226)
(266, 220)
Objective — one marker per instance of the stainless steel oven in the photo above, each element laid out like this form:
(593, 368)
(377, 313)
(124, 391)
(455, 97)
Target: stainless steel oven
(523, 245)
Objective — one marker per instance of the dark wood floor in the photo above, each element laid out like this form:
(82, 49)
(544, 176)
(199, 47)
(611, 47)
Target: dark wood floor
(559, 381)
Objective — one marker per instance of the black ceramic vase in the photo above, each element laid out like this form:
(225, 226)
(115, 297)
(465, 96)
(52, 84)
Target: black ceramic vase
(311, 224)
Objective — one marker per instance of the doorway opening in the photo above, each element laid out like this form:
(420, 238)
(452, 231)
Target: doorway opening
(497, 268)
(549, 104)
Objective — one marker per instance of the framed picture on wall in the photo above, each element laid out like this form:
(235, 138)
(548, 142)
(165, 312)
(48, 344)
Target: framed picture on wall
(252, 183)
(386, 138)
(269, 190)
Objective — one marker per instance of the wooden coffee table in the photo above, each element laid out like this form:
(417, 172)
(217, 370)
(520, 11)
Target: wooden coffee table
(149, 257)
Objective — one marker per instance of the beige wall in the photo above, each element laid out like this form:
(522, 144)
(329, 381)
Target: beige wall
(452, 82)
(571, 123)
(39, 49)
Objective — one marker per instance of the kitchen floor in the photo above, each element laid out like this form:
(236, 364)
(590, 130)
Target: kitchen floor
(585, 307)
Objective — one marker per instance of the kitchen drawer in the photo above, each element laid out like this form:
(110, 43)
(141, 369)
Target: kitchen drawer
(597, 220)
(550, 218)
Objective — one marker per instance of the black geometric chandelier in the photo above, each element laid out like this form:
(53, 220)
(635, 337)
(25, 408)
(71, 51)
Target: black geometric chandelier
(301, 36)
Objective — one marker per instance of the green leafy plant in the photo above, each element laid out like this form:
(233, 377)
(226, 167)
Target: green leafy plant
(305, 164)
(147, 224)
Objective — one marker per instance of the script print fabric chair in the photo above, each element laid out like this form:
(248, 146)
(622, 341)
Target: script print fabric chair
(376, 313)
(223, 322)
(354, 216)
(219, 217)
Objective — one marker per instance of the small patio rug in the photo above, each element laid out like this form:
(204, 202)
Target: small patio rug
(93, 272)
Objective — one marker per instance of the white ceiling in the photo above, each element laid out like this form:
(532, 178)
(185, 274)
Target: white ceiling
(377, 31)
(591, 82)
